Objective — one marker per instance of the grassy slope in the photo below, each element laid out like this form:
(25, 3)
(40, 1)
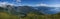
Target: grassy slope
(4, 15)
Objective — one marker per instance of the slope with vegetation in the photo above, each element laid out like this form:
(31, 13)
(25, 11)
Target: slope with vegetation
(32, 14)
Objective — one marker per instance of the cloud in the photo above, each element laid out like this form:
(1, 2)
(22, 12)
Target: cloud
(6, 3)
(52, 5)
(41, 5)
(3, 4)
(55, 5)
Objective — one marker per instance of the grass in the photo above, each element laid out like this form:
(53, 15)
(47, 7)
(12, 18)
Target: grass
(4, 15)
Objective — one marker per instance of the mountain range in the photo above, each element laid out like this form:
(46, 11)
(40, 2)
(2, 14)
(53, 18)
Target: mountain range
(43, 9)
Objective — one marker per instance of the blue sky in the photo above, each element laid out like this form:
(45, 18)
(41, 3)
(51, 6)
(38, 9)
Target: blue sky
(10, 2)
(33, 2)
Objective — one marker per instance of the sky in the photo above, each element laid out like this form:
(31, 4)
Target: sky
(10, 2)
(50, 3)
(41, 2)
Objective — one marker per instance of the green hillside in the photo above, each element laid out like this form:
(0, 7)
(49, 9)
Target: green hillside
(4, 15)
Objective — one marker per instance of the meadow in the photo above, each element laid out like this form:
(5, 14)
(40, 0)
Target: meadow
(4, 15)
